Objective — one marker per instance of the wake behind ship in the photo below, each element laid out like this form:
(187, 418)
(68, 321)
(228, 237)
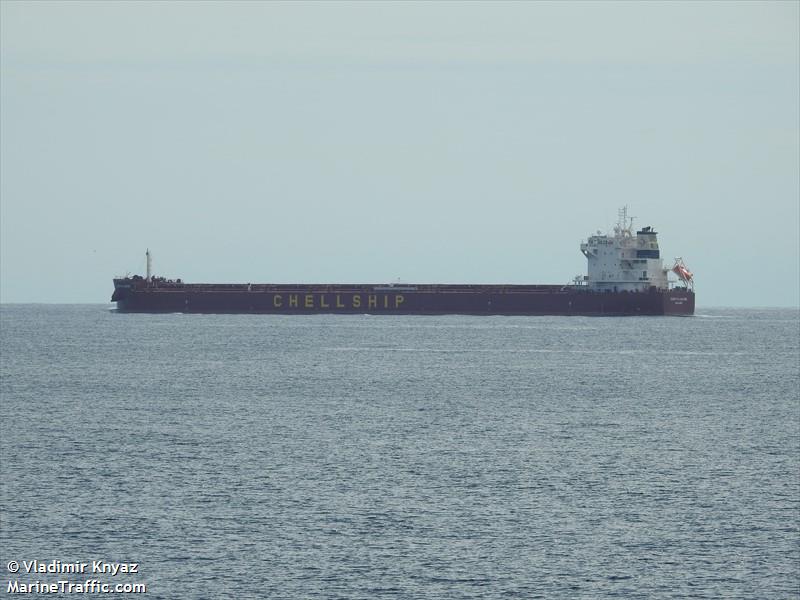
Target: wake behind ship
(625, 276)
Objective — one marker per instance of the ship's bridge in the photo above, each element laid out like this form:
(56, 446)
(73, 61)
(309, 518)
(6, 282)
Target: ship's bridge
(624, 262)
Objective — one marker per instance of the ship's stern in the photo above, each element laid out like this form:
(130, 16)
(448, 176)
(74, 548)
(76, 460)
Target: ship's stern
(679, 302)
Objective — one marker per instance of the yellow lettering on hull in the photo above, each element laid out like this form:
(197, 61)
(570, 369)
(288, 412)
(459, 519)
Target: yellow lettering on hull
(322, 301)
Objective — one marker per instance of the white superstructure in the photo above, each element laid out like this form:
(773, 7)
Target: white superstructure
(624, 262)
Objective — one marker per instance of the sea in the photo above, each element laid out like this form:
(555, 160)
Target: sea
(369, 457)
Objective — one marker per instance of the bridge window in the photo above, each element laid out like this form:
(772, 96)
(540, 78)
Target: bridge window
(647, 254)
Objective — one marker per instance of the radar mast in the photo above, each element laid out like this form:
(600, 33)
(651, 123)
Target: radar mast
(624, 223)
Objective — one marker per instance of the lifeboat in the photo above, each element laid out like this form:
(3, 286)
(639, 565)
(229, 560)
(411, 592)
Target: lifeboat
(682, 271)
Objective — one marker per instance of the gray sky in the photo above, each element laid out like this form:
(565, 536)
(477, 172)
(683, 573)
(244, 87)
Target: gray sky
(362, 142)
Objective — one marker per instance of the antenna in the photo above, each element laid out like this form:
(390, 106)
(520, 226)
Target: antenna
(624, 223)
(149, 265)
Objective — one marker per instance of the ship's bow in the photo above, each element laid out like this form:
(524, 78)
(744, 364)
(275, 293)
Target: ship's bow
(122, 291)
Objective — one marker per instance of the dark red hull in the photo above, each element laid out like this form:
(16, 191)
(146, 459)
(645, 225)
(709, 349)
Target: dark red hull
(136, 295)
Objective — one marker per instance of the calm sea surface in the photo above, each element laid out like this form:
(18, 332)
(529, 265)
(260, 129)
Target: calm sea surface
(404, 457)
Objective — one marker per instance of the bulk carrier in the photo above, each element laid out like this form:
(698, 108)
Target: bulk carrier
(625, 276)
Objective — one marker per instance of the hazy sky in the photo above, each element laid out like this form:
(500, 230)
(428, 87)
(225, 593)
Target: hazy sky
(434, 142)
